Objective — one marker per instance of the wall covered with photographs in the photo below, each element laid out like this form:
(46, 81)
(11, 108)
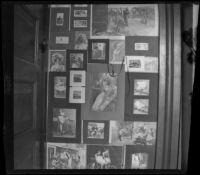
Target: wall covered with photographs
(102, 86)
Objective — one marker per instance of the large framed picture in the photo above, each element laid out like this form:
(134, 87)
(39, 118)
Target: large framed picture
(104, 157)
(77, 94)
(77, 59)
(98, 51)
(64, 123)
(58, 85)
(65, 156)
(77, 78)
(95, 132)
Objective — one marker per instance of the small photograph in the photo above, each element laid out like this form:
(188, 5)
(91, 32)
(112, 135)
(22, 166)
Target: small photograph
(59, 87)
(104, 157)
(141, 106)
(151, 64)
(141, 46)
(62, 40)
(57, 61)
(80, 23)
(139, 161)
(80, 5)
(80, 13)
(64, 122)
(95, 130)
(141, 87)
(103, 92)
(66, 156)
(121, 132)
(77, 78)
(117, 51)
(144, 133)
(77, 95)
(134, 64)
(81, 40)
(59, 19)
(76, 60)
(98, 51)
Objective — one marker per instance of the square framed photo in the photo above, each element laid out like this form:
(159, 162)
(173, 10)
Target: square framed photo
(98, 51)
(58, 86)
(65, 156)
(141, 87)
(57, 61)
(77, 78)
(77, 95)
(95, 132)
(64, 123)
(77, 59)
(141, 106)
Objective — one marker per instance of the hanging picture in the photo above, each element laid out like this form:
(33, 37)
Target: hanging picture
(103, 92)
(64, 123)
(77, 59)
(139, 161)
(98, 51)
(95, 132)
(80, 13)
(59, 19)
(65, 156)
(57, 60)
(77, 78)
(141, 87)
(104, 157)
(141, 106)
(77, 95)
(81, 40)
(119, 20)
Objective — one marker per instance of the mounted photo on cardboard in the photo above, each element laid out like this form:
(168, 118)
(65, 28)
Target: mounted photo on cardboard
(98, 51)
(104, 157)
(60, 19)
(64, 123)
(77, 78)
(58, 87)
(141, 92)
(65, 156)
(81, 40)
(57, 61)
(77, 95)
(77, 59)
(95, 132)
(139, 157)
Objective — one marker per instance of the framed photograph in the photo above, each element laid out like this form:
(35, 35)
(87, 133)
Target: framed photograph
(77, 95)
(103, 92)
(65, 156)
(119, 20)
(64, 123)
(81, 5)
(116, 51)
(104, 157)
(80, 13)
(81, 40)
(77, 78)
(95, 132)
(139, 161)
(98, 50)
(141, 87)
(58, 86)
(57, 61)
(59, 19)
(80, 23)
(141, 106)
(144, 133)
(77, 59)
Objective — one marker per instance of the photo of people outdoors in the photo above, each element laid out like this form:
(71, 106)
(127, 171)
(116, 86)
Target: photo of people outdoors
(57, 61)
(81, 40)
(104, 92)
(98, 51)
(144, 133)
(64, 122)
(76, 60)
(141, 106)
(139, 161)
(66, 156)
(59, 87)
(96, 130)
(141, 87)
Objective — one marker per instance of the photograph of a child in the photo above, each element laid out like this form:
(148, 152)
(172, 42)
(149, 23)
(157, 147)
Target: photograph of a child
(66, 156)
(141, 106)
(80, 23)
(59, 87)
(117, 51)
(59, 19)
(144, 133)
(76, 60)
(139, 161)
(103, 92)
(80, 13)
(95, 130)
(141, 87)
(64, 122)
(98, 51)
(104, 157)
(81, 40)
(57, 61)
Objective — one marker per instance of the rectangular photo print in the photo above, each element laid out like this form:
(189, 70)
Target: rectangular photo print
(60, 87)
(77, 95)
(141, 87)
(104, 157)
(65, 156)
(103, 96)
(80, 13)
(81, 40)
(77, 78)
(141, 106)
(139, 161)
(80, 23)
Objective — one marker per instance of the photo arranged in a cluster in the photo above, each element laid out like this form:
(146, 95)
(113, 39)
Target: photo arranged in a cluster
(60, 87)
(139, 161)
(141, 87)
(96, 130)
(141, 106)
